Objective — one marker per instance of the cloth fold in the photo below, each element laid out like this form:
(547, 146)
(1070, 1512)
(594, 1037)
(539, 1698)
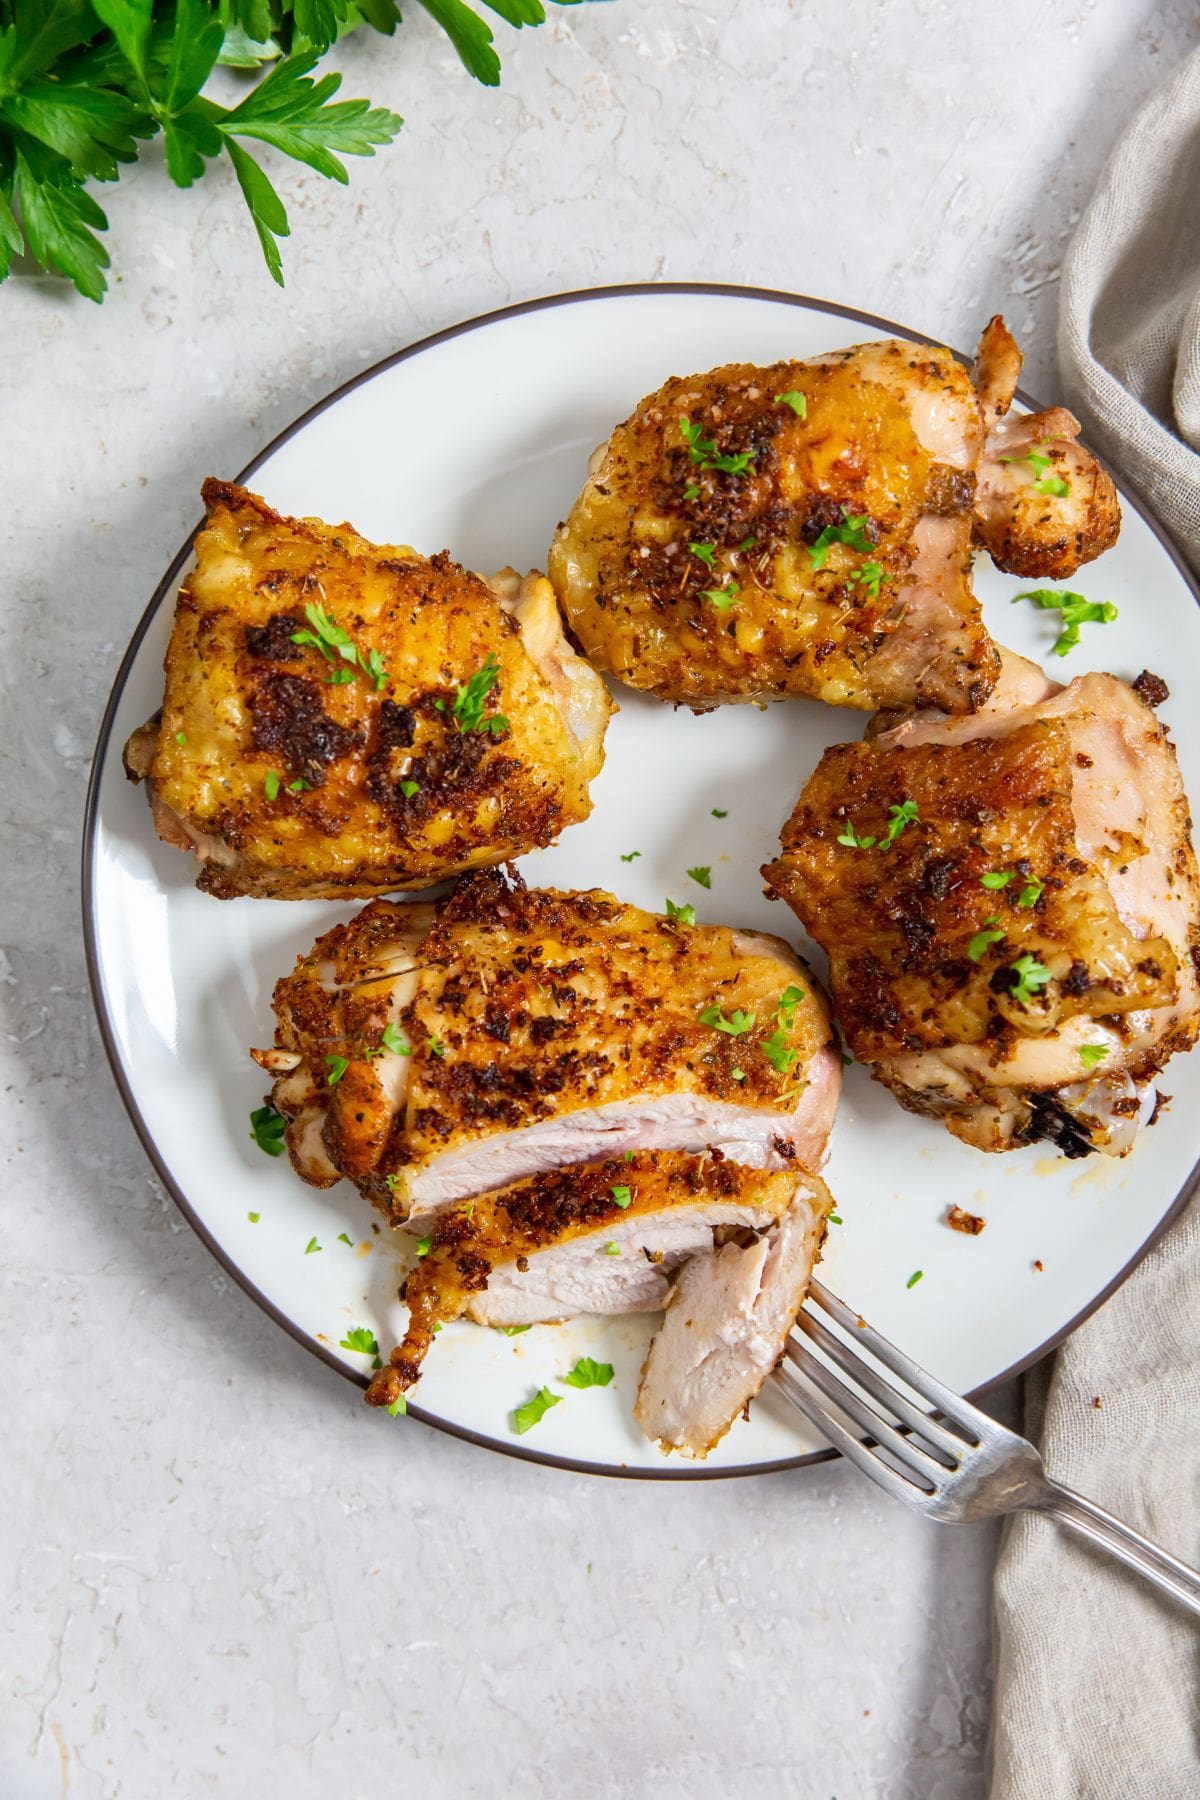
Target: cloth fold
(1098, 1680)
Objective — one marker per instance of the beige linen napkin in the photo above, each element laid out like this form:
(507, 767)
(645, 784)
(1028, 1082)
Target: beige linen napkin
(1098, 1680)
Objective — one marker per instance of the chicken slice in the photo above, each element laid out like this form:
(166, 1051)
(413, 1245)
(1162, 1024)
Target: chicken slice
(344, 718)
(1012, 913)
(728, 1318)
(1044, 506)
(802, 529)
(431, 1057)
(600, 1237)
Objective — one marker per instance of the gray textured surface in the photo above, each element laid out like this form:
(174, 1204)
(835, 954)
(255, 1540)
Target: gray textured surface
(221, 1575)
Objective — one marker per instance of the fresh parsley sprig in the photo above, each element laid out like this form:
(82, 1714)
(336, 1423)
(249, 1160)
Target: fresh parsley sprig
(470, 701)
(1075, 610)
(853, 532)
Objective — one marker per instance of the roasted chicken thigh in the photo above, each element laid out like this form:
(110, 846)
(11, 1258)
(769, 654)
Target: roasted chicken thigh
(1011, 910)
(430, 1055)
(806, 528)
(344, 718)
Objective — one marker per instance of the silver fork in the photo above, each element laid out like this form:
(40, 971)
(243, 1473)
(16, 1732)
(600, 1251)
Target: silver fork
(957, 1466)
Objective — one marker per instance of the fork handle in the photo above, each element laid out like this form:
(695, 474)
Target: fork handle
(1162, 1570)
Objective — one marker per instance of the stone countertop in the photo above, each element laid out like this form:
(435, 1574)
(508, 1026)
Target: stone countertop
(221, 1577)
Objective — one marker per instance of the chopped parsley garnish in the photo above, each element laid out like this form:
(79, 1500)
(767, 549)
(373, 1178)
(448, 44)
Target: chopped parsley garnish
(299, 786)
(982, 939)
(852, 532)
(777, 1052)
(528, 1415)
(409, 787)
(789, 1000)
(686, 915)
(337, 1066)
(1039, 461)
(512, 1330)
(271, 785)
(701, 875)
(868, 577)
(254, 1217)
(1075, 610)
(333, 641)
(901, 816)
(796, 400)
(587, 1373)
(737, 1023)
(1091, 1054)
(703, 450)
(723, 597)
(834, 1218)
(632, 856)
(436, 1047)
(392, 1040)
(612, 1249)
(181, 738)
(705, 552)
(425, 1245)
(1031, 893)
(345, 1238)
(312, 1247)
(267, 1128)
(622, 1197)
(398, 1405)
(738, 1074)
(914, 1278)
(361, 1339)
(629, 1156)
(996, 878)
(747, 543)
(720, 812)
(691, 491)
(1031, 976)
(470, 699)
(468, 1211)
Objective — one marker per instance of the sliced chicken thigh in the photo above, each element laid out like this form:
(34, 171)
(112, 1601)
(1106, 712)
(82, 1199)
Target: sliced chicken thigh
(432, 1057)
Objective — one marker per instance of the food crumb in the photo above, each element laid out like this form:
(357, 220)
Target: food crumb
(1161, 1103)
(969, 1223)
(1097, 1403)
(1039, 1265)
(1151, 689)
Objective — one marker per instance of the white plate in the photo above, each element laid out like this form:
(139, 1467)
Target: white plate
(477, 439)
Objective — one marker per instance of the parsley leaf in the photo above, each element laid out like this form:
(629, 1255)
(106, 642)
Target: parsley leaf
(851, 839)
(1039, 459)
(337, 1066)
(271, 785)
(436, 1047)
(686, 915)
(720, 812)
(996, 878)
(425, 1245)
(181, 738)
(299, 786)
(703, 450)
(738, 1022)
(512, 1330)
(408, 788)
(393, 1041)
(901, 816)
(796, 400)
(587, 1373)
(738, 1074)
(982, 939)
(852, 532)
(705, 552)
(691, 491)
(1075, 610)
(267, 1128)
(345, 1238)
(470, 699)
(723, 597)
(834, 1218)
(622, 1197)
(254, 1217)
(325, 634)
(312, 1247)
(612, 1250)
(777, 1051)
(527, 1416)
(702, 875)
(1031, 976)
(360, 1338)
(1092, 1054)
(789, 1000)
(1031, 893)
(868, 577)
(914, 1278)
(632, 855)
(399, 1405)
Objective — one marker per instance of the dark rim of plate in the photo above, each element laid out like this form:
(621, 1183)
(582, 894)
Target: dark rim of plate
(686, 1472)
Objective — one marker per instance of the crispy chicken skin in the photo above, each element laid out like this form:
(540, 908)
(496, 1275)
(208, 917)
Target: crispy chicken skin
(296, 771)
(890, 436)
(1043, 506)
(513, 1030)
(599, 1237)
(1052, 838)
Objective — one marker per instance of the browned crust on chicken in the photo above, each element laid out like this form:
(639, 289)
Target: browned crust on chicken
(297, 774)
(899, 923)
(515, 1005)
(468, 1240)
(804, 616)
